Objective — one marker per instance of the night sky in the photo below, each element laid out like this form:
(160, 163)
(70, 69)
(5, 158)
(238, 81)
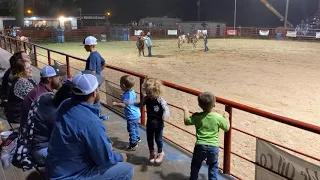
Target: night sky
(250, 12)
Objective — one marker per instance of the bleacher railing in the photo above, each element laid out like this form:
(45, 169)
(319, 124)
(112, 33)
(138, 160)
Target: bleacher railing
(11, 44)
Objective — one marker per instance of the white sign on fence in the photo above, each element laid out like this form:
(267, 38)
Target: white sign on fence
(317, 34)
(203, 31)
(172, 32)
(232, 32)
(137, 32)
(291, 33)
(264, 32)
(282, 162)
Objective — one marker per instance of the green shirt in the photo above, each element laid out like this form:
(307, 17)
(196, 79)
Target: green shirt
(207, 127)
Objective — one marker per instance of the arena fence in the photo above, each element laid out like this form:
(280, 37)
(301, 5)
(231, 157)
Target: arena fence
(11, 45)
(130, 33)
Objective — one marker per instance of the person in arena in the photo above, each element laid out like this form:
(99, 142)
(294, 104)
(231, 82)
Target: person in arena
(205, 39)
(22, 84)
(50, 80)
(33, 147)
(79, 146)
(148, 41)
(95, 61)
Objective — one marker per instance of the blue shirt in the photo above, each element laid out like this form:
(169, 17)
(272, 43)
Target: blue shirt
(95, 62)
(131, 111)
(79, 142)
(148, 41)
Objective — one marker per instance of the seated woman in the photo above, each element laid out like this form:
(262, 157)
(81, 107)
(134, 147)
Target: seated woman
(35, 135)
(8, 77)
(21, 85)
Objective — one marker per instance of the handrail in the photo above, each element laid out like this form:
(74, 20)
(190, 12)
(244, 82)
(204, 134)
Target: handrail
(228, 107)
(246, 108)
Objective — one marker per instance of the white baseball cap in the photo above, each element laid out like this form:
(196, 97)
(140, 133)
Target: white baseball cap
(85, 83)
(51, 71)
(90, 41)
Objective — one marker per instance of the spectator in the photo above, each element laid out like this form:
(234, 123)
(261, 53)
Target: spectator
(21, 86)
(207, 125)
(95, 62)
(40, 121)
(79, 147)
(148, 43)
(50, 79)
(157, 113)
(131, 112)
(8, 77)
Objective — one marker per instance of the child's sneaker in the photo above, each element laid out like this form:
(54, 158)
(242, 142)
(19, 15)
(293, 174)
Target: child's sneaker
(139, 140)
(159, 157)
(152, 156)
(132, 147)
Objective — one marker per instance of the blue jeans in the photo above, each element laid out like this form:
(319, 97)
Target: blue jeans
(200, 153)
(149, 52)
(40, 156)
(133, 130)
(206, 47)
(154, 134)
(121, 170)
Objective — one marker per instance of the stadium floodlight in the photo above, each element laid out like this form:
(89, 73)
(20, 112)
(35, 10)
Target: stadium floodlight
(62, 18)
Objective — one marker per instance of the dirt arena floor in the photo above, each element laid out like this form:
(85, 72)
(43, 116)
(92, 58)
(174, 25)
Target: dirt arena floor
(277, 76)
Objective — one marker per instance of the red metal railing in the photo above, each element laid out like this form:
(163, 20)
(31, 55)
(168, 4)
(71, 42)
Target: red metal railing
(229, 106)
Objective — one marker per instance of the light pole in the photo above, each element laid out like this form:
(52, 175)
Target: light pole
(198, 3)
(235, 15)
(286, 16)
(80, 13)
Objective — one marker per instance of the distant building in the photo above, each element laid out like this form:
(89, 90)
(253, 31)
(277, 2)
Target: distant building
(159, 22)
(36, 22)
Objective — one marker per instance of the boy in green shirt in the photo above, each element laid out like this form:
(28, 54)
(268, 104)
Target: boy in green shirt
(207, 125)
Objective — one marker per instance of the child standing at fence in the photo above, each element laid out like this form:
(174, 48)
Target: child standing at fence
(95, 62)
(157, 113)
(132, 112)
(207, 125)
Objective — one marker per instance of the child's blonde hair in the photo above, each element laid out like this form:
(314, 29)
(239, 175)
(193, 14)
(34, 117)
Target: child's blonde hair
(152, 87)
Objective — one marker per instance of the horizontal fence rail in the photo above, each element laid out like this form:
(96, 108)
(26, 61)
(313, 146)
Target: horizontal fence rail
(130, 33)
(10, 44)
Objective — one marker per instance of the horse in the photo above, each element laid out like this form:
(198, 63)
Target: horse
(140, 45)
(189, 38)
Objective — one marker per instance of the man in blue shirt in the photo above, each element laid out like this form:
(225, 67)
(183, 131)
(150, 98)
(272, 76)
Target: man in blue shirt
(79, 147)
(148, 43)
(95, 62)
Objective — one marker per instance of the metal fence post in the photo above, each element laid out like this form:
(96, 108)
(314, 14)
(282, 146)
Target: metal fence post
(49, 58)
(35, 56)
(24, 47)
(142, 109)
(10, 45)
(227, 144)
(68, 66)
(17, 47)
(5, 43)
